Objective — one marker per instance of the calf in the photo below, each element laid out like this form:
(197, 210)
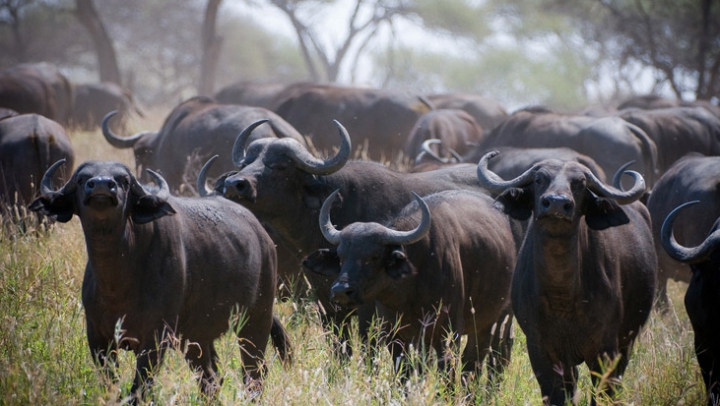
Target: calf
(167, 267)
(702, 299)
(448, 276)
(585, 276)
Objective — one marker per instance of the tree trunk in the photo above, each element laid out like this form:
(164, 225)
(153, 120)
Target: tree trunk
(211, 45)
(107, 61)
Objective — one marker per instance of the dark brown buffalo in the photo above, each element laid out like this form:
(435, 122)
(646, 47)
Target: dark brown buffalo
(693, 177)
(37, 88)
(379, 121)
(585, 277)
(653, 101)
(29, 144)
(456, 130)
(677, 131)
(447, 276)
(162, 268)
(610, 141)
(94, 100)
(250, 93)
(284, 185)
(195, 130)
(702, 299)
(488, 113)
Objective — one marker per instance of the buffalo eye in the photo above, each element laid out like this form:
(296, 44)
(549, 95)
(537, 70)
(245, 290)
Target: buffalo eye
(577, 184)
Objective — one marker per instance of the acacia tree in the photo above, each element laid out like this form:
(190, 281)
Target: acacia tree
(107, 60)
(211, 44)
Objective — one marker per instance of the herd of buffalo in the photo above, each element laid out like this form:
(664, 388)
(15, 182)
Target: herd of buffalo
(568, 224)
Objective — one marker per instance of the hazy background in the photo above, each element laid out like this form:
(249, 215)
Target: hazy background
(561, 53)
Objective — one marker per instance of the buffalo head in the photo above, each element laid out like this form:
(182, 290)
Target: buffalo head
(560, 193)
(142, 143)
(368, 255)
(274, 171)
(103, 193)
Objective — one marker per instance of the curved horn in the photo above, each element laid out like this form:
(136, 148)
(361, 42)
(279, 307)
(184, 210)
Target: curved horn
(618, 175)
(425, 147)
(115, 140)
(161, 182)
(46, 186)
(457, 156)
(309, 163)
(412, 236)
(619, 195)
(677, 251)
(202, 178)
(492, 182)
(238, 151)
(328, 230)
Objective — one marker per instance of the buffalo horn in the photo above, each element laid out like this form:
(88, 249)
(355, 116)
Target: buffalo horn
(202, 178)
(619, 195)
(305, 161)
(238, 151)
(408, 237)
(164, 190)
(677, 251)
(328, 230)
(46, 186)
(492, 182)
(618, 175)
(115, 140)
(425, 147)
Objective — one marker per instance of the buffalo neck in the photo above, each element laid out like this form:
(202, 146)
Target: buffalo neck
(110, 249)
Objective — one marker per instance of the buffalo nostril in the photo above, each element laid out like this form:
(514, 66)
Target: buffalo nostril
(545, 202)
(112, 184)
(91, 184)
(567, 207)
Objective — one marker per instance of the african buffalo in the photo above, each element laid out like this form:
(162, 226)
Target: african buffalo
(37, 88)
(250, 93)
(610, 141)
(284, 185)
(456, 130)
(702, 299)
(162, 268)
(487, 112)
(94, 100)
(693, 177)
(653, 101)
(677, 131)
(448, 276)
(29, 144)
(379, 121)
(585, 277)
(195, 130)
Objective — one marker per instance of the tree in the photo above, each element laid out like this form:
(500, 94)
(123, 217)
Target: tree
(210, 48)
(107, 61)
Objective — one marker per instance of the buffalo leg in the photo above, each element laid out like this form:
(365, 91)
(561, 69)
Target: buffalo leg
(253, 339)
(204, 359)
(503, 338)
(709, 372)
(104, 353)
(148, 359)
(557, 382)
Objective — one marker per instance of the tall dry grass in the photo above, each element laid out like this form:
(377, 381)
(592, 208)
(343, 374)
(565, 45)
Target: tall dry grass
(45, 361)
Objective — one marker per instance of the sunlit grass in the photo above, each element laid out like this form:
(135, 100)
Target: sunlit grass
(44, 359)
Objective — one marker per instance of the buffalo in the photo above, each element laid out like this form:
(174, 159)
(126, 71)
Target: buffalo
(94, 100)
(584, 282)
(37, 88)
(379, 121)
(248, 93)
(610, 141)
(449, 276)
(456, 131)
(693, 177)
(195, 130)
(284, 185)
(487, 112)
(702, 299)
(653, 101)
(29, 144)
(163, 268)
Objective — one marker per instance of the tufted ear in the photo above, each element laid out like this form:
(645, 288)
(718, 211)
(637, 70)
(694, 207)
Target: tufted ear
(398, 266)
(323, 261)
(150, 207)
(315, 193)
(602, 213)
(517, 203)
(56, 204)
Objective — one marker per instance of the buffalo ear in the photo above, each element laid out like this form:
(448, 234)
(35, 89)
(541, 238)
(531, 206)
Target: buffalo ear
(323, 261)
(58, 205)
(315, 193)
(602, 213)
(150, 207)
(398, 266)
(516, 203)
